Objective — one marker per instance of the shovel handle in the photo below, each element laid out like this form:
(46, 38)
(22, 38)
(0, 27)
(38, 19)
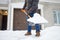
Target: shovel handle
(25, 13)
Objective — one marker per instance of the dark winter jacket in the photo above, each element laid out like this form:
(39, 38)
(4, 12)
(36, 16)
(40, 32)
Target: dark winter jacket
(31, 5)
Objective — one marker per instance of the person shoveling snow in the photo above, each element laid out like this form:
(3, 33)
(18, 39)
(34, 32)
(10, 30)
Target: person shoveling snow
(35, 20)
(30, 8)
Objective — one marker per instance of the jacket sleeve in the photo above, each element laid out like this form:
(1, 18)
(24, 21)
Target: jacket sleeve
(25, 5)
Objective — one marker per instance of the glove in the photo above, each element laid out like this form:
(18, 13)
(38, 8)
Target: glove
(31, 14)
(23, 10)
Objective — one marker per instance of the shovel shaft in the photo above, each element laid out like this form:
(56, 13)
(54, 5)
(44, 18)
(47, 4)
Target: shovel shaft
(25, 13)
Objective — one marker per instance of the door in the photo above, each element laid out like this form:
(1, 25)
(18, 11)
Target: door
(19, 20)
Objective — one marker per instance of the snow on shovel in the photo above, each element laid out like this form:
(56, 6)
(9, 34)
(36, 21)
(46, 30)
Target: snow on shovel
(36, 19)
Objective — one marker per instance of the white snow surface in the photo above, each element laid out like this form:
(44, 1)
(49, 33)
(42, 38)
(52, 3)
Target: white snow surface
(37, 19)
(50, 33)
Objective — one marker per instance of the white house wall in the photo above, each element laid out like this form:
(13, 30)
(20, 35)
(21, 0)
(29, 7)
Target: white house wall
(14, 1)
(52, 1)
(48, 13)
(4, 1)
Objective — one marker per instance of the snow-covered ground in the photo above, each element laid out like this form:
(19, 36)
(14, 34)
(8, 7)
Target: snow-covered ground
(50, 33)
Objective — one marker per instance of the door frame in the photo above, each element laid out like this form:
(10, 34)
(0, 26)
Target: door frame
(11, 13)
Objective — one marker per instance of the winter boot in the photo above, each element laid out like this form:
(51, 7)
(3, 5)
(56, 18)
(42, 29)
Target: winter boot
(37, 34)
(28, 33)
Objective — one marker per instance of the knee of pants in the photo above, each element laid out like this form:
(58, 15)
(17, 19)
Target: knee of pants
(38, 27)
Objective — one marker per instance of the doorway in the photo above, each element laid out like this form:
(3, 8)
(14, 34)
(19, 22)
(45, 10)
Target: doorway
(4, 22)
(3, 19)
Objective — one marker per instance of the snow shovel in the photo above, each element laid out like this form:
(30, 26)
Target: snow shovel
(36, 19)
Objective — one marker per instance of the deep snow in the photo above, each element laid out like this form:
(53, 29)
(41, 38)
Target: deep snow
(49, 33)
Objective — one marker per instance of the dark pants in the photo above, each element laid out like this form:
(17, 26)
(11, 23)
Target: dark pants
(37, 26)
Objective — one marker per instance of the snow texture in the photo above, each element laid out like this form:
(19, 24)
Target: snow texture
(37, 19)
(50, 33)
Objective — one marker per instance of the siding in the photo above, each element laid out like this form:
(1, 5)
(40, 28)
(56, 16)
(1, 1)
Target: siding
(48, 13)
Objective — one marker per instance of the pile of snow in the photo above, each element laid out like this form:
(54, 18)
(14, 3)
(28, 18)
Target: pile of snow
(50, 33)
(37, 19)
